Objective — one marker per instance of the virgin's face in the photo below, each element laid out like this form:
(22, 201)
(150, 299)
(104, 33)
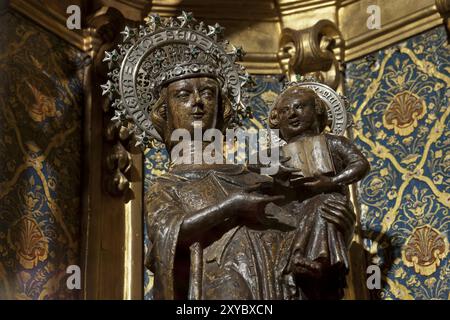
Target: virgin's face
(193, 100)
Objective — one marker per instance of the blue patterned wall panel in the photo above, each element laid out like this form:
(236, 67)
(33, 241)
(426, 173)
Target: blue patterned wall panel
(400, 103)
(40, 142)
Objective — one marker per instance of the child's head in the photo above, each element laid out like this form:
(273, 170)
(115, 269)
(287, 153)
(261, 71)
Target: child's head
(298, 110)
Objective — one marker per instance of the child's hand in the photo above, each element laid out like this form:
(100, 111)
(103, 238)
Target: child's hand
(337, 211)
(283, 170)
(318, 183)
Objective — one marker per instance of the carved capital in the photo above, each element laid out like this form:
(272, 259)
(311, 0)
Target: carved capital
(314, 51)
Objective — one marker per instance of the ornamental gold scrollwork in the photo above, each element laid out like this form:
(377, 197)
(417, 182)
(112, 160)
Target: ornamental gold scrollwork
(312, 52)
(403, 113)
(27, 239)
(425, 249)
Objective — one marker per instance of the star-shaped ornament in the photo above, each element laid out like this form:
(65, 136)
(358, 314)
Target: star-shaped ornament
(128, 33)
(185, 18)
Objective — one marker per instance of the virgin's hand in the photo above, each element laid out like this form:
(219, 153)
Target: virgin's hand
(251, 202)
(250, 205)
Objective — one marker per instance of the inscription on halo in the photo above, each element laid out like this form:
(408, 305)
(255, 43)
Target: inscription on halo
(335, 106)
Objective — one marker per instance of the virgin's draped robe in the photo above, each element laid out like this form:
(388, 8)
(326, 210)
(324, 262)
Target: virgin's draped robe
(235, 260)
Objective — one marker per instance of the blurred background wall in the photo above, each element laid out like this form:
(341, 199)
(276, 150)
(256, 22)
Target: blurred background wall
(40, 144)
